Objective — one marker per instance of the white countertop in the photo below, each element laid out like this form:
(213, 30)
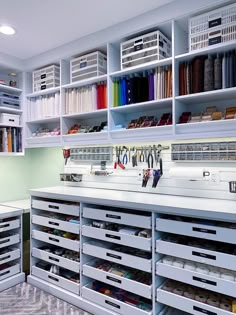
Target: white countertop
(23, 204)
(192, 206)
(6, 212)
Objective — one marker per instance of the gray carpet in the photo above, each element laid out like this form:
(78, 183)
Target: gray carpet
(25, 299)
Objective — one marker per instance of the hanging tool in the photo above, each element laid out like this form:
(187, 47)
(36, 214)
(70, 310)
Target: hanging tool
(134, 158)
(156, 177)
(125, 156)
(150, 158)
(146, 176)
(118, 161)
(142, 156)
(66, 155)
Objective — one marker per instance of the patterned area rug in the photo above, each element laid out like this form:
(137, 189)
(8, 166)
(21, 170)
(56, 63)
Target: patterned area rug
(26, 299)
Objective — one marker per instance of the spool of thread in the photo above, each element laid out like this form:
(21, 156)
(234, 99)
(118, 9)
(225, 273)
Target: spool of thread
(200, 298)
(226, 306)
(214, 273)
(168, 260)
(168, 287)
(190, 266)
(202, 269)
(178, 263)
(213, 302)
(189, 295)
(192, 173)
(227, 276)
(178, 291)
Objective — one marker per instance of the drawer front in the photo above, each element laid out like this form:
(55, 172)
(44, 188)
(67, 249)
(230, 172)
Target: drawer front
(196, 254)
(9, 225)
(118, 238)
(117, 281)
(9, 240)
(197, 230)
(14, 254)
(197, 279)
(56, 280)
(56, 224)
(9, 272)
(56, 207)
(56, 240)
(56, 260)
(118, 257)
(188, 305)
(118, 217)
(110, 303)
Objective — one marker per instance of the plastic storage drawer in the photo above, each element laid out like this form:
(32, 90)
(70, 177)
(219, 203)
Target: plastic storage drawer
(9, 240)
(56, 260)
(9, 256)
(111, 303)
(9, 225)
(118, 217)
(45, 78)
(9, 272)
(56, 280)
(57, 224)
(10, 119)
(11, 103)
(53, 206)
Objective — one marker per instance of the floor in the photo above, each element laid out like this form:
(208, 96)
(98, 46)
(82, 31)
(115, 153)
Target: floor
(26, 299)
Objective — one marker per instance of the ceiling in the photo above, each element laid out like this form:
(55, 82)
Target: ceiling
(46, 24)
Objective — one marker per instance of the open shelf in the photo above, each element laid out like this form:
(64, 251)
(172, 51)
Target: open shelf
(44, 92)
(9, 89)
(45, 141)
(85, 82)
(85, 115)
(10, 110)
(44, 120)
(86, 138)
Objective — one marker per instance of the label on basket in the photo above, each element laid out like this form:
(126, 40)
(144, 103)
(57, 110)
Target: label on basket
(201, 310)
(204, 255)
(204, 281)
(83, 64)
(138, 45)
(112, 304)
(214, 41)
(43, 87)
(214, 23)
(202, 230)
(43, 76)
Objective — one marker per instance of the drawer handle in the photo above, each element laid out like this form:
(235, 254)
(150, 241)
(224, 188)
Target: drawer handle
(4, 273)
(112, 216)
(54, 259)
(53, 223)
(201, 230)
(6, 257)
(53, 207)
(201, 310)
(205, 281)
(5, 241)
(53, 278)
(114, 256)
(113, 279)
(53, 239)
(113, 236)
(112, 304)
(212, 257)
(5, 225)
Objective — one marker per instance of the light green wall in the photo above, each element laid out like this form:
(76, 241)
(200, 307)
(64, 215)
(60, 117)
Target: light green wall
(37, 168)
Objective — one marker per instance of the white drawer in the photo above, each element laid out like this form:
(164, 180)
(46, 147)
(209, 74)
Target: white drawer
(118, 257)
(9, 256)
(9, 225)
(117, 237)
(188, 305)
(56, 224)
(111, 303)
(117, 281)
(118, 217)
(56, 280)
(9, 240)
(56, 207)
(204, 256)
(197, 279)
(8, 272)
(56, 240)
(56, 260)
(209, 232)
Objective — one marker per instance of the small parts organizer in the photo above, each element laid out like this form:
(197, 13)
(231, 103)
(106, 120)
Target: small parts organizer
(45, 78)
(213, 151)
(92, 154)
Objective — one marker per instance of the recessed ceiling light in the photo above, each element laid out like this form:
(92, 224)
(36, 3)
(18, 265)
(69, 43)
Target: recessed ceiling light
(7, 30)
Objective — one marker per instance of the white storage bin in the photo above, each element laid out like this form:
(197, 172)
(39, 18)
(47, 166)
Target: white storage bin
(118, 217)
(146, 48)
(210, 232)
(9, 256)
(9, 240)
(117, 257)
(9, 225)
(57, 224)
(56, 280)
(56, 240)
(56, 260)
(217, 26)
(120, 282)
(117, 237)
(45, 78)
(11, 103)
(197, 279)
(9, 272)
(87, 66)
(111, 303)
(10, 119)
(60, 207)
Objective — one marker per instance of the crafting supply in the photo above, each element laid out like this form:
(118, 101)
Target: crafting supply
(189, 266)
(189, 295)
(226, 306)
(213, 302)
(178, 291)
(191, 173)
(208, 74)
(150, 158)
(200, 298)
(179, 263)
(227, 275)
(168, 260)
(202, 269)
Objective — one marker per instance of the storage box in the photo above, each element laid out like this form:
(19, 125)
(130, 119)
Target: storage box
(46, 78)
(87, 66)
(9, 102)
(146, 48)
(10, 119)
(214, 27)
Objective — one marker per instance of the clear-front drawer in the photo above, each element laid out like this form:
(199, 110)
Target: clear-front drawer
(53, 206)
(56, 224)
(9, 225)
(10, 255)
(9, 271)
(9, 240)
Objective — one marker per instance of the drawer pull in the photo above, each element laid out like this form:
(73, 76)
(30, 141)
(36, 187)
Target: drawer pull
(4, 273)
(114, 256)
(201, 310)
(53, 278)
(113, 279)
(53, 223)
(54, 259)
(112, 304)
(113, 236)
(53, 239)
(5, 225)
(5, 241)
(204, 281)
(204, 255)
(53, 207)
(201, 230)
(6, 257)
(112, 216)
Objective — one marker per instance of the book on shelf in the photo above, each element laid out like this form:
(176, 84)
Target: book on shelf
(10, 139)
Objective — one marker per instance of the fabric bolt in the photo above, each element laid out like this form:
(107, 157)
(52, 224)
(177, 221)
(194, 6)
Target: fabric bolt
(217, 73)
(208, 74)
